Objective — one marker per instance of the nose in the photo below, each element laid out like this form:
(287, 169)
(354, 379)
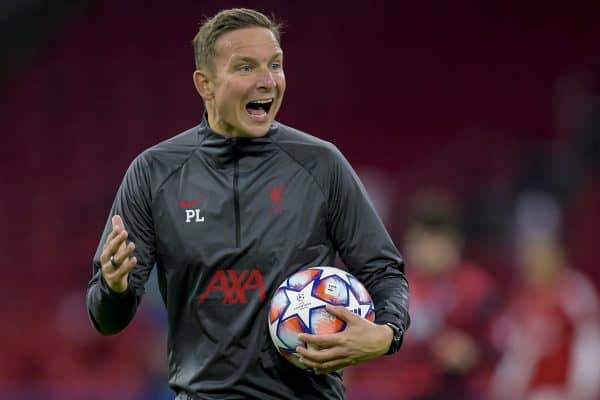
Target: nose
(266, 81)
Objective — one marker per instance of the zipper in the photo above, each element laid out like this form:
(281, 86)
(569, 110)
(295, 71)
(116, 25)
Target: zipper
(236, 195)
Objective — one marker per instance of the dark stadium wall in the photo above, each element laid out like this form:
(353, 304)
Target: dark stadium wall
(432, 93)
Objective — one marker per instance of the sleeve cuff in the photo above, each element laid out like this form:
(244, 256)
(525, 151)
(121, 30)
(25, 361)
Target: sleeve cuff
(396, 339)
(111, 294)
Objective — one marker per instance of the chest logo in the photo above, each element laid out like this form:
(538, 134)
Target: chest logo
(276, 196)
(191, 214)
(189, 204)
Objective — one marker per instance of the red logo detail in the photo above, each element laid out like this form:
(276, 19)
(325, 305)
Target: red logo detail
(234, 286)
(188, 204)
(276, 196)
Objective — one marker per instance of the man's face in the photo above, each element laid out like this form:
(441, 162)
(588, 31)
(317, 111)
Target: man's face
(247, 83)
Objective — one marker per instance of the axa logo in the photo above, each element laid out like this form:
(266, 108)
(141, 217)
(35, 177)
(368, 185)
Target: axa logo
(235, 286)
(191, 215)
(276, 196)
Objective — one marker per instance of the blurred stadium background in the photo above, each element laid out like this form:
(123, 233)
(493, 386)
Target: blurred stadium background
(478, 122)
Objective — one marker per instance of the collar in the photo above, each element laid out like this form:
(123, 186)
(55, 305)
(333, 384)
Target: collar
(224, 151)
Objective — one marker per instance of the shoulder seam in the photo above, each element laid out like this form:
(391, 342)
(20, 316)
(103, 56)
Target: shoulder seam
(164, 181)
(305, 169)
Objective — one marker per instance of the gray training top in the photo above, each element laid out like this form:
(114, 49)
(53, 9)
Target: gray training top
(225, 221)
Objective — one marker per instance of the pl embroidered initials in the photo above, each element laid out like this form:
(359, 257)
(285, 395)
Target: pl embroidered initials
(193, 215)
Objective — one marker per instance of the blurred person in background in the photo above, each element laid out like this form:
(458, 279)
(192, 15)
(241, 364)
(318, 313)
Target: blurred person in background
(447, 354)
(226, 211)
(549, 334)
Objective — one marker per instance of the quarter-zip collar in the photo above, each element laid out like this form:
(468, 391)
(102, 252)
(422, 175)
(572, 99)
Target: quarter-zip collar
(225, 150)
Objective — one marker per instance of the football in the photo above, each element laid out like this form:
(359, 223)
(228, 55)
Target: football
(298, 305)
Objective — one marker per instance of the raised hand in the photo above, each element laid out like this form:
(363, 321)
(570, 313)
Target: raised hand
(117, 260)
(361, 340)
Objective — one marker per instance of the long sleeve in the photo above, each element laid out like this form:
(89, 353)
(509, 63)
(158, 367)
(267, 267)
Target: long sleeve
(364, 244)
(109, 311)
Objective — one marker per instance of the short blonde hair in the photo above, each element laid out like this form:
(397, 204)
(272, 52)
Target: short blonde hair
(225, 21)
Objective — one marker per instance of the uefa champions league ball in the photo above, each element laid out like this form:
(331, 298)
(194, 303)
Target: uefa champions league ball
(298, 305)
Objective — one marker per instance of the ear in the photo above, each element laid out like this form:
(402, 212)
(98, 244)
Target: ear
(203, 84)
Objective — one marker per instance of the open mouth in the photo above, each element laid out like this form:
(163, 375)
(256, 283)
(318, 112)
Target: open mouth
(259, 108)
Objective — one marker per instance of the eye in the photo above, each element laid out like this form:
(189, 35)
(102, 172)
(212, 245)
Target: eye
(245, 68)
(276, 65)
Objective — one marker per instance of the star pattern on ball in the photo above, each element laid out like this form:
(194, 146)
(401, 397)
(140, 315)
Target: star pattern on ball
(354, 305)
(276, 340)
(327, 272)
(306, 303)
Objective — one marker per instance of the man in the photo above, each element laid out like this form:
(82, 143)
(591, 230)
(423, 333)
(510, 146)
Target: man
(449, 353)
(548, 337)
(226, 211)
